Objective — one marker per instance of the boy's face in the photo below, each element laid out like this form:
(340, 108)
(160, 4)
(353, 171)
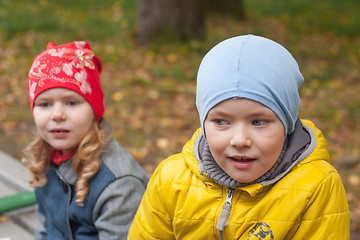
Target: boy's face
(245, 138)
(62, 117)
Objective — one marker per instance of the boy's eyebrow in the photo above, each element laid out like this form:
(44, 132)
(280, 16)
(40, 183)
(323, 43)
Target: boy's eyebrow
(218, 112)
(253, 113)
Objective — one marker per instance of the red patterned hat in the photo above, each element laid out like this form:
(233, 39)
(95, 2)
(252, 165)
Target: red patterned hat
(73, 66)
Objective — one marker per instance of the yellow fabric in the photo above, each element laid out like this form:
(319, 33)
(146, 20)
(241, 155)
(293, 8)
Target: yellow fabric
(307, 203)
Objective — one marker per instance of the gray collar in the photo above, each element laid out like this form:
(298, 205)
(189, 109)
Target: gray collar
(66, 172)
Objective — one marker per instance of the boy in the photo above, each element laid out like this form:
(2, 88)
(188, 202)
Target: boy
(253, 170)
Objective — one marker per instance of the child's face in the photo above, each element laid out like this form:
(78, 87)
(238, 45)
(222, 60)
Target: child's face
(62, 117)
(245, 138)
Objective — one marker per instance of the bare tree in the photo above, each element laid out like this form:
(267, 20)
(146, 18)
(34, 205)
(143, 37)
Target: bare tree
(233, 8)
(183, 18)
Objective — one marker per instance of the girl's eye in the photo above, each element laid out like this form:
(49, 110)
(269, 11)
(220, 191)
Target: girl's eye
(259, 123)
(43, 105)
(71, 103)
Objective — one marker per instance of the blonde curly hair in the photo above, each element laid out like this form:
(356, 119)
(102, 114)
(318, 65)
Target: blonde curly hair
(86, 160)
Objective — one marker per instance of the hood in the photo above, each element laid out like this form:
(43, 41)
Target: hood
(251, 67)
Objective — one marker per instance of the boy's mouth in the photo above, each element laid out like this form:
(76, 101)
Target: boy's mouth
(242, 162)
(242, 158)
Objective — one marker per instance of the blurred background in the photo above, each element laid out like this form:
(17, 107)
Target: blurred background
(151, 49)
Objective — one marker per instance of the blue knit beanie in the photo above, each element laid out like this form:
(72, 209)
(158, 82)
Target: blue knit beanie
(250, 67)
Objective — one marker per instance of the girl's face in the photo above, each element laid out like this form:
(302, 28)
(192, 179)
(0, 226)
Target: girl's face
(62, 117)
(245, 138)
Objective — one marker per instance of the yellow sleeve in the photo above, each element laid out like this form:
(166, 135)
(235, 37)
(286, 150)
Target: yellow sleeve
(152, 220)
(327, 214)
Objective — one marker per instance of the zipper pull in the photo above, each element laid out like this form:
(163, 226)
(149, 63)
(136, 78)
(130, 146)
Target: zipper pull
(225, 212)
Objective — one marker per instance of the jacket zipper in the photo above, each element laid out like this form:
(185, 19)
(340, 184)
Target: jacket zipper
(67, 205)
(225, 212)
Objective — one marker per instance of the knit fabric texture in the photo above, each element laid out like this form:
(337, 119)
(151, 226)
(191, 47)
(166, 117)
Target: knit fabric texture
(220, 176)
(73, 66)
(250, 67)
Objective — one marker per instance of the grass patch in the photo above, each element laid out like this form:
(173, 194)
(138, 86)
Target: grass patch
(338, 17)
(150, 90)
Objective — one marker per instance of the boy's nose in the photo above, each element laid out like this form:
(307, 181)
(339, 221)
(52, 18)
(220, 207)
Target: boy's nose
(240, 137)
(58, 112)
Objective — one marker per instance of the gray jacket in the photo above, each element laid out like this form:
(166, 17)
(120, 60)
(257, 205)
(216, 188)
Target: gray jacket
(114, 196)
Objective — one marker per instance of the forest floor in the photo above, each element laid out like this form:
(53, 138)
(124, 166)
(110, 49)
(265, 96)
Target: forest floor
(150, 90)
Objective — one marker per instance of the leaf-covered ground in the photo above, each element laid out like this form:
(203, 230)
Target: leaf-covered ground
(150, 90)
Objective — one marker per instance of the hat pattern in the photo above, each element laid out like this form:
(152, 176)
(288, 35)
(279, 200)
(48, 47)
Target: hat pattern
(73, 66)
(80, 58)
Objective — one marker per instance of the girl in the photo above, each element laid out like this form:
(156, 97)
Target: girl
(87, 185)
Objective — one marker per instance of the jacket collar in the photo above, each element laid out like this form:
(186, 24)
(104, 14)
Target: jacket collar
(66, 172)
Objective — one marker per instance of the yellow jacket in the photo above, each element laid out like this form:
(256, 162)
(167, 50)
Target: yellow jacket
(309, 202)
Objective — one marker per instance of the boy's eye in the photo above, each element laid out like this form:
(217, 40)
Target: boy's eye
(259, 123)
(220, 122)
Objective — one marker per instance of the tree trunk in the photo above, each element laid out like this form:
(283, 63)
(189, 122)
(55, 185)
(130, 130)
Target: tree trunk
(183, 18)
(233, 8)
